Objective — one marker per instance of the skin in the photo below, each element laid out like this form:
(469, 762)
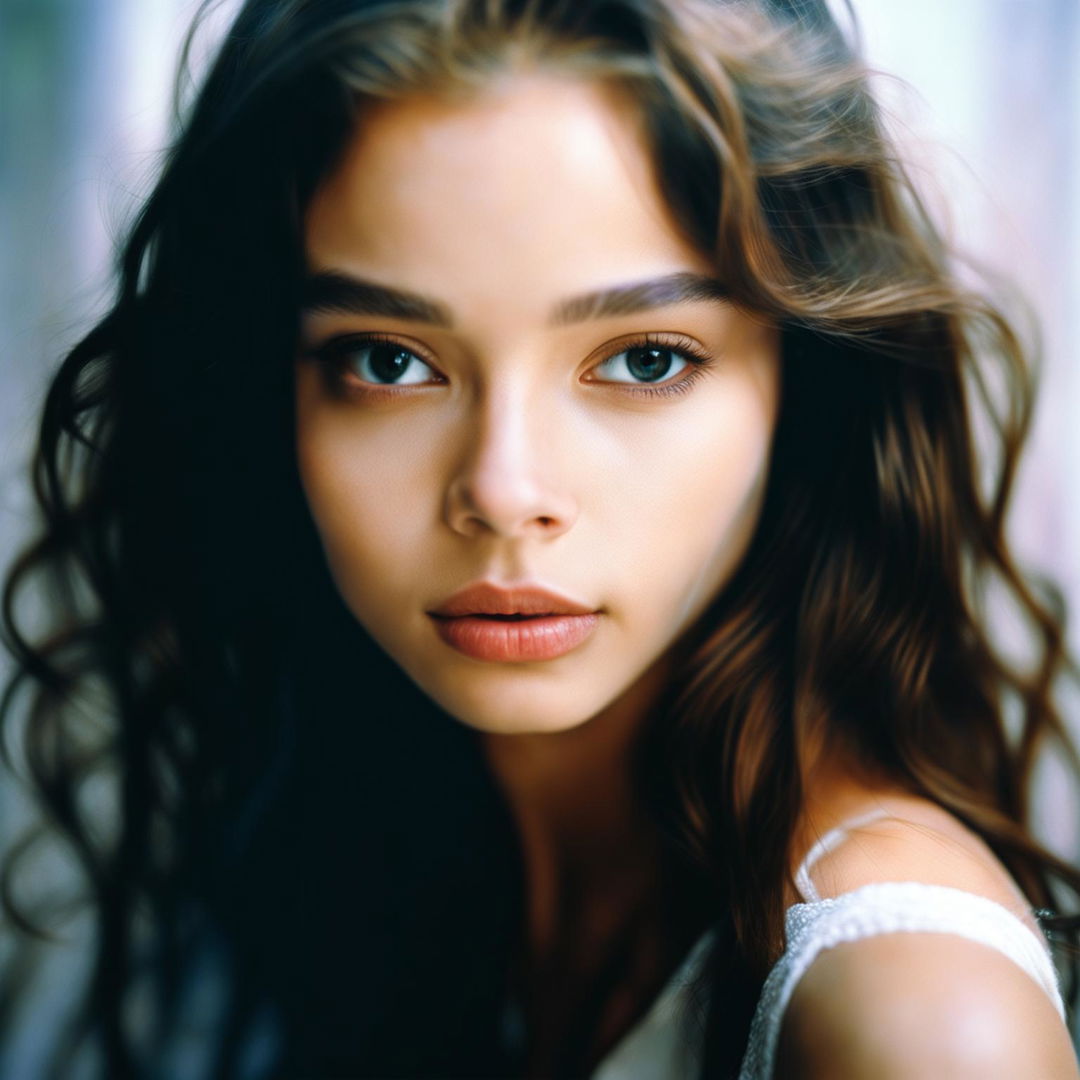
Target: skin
(908, 1006)
(523, 452)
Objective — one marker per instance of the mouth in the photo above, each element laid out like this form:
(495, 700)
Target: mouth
(518, 624)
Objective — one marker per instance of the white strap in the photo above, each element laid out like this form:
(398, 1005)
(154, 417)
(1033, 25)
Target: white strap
(826, 843)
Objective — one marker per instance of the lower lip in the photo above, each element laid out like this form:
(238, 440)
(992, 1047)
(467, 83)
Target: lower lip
(542, 637)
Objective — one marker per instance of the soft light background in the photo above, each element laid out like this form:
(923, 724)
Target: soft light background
(991, 117)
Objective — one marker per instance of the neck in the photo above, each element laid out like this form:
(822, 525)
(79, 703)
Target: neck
(587, 842)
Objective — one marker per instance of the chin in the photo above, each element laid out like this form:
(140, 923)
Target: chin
(525, 712)
(517, 725)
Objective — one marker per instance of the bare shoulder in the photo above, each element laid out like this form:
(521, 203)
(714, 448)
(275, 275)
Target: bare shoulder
(915, 1005)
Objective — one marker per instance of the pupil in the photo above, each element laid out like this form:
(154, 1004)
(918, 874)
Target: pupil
(388, 362)
(649, 364)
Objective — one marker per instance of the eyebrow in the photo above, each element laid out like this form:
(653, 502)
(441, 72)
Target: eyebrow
(334, 291)
(680, 288)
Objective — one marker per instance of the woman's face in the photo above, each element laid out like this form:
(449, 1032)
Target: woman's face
(517, 373)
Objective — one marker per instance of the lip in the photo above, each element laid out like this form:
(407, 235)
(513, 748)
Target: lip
(547, 625)
(485, 598)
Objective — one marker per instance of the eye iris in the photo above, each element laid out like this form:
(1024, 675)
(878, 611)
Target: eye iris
(648, 363)
(388, 362)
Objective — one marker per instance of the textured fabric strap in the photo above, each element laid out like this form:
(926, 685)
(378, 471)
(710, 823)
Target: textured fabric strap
(885, 908)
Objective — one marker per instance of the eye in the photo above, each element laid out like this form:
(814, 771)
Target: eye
(653, 364)
(645, 363)
(380, 362)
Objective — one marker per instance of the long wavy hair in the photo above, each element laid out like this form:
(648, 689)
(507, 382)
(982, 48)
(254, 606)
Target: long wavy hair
(185, 706)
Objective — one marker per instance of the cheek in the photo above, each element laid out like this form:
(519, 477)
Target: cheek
(370, 496)
(698, 495)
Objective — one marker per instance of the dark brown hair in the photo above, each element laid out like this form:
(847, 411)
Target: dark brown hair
(856, 627)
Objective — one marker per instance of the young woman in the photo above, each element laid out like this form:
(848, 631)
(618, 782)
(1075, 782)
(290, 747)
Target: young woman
(519, 552)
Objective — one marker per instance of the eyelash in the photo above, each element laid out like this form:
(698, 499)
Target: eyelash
(332, 355)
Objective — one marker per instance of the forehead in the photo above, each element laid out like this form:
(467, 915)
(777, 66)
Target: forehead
(539, 183)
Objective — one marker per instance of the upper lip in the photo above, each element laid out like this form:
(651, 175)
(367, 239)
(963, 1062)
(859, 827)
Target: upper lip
(485, 598)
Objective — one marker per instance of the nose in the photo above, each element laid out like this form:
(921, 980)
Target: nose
(507, 482)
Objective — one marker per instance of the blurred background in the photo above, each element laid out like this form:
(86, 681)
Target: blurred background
(984, 95)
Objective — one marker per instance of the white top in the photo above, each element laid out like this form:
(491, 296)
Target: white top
(666, 1043)
(663, 1043)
